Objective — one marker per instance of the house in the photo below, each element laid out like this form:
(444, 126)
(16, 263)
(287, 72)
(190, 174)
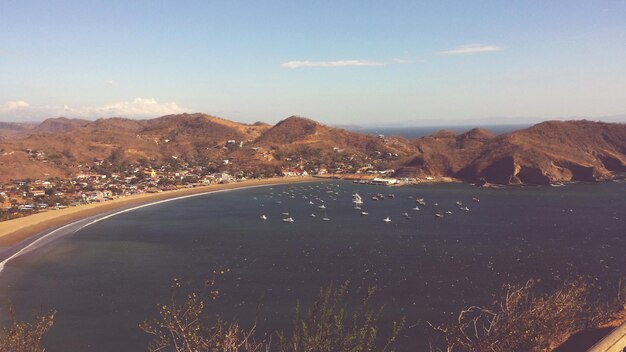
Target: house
(221, 177)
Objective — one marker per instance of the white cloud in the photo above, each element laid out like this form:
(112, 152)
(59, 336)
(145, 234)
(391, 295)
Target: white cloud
(471, 49)
(137, 108)
(109, 81)
(342, 63)
(13, 106)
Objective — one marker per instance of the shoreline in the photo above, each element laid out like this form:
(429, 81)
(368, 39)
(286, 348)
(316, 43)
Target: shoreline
(25, 230)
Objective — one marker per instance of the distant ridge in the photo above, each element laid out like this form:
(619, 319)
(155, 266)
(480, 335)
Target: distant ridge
(553, 151)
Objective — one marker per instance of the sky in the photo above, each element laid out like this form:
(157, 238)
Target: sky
(338, 62)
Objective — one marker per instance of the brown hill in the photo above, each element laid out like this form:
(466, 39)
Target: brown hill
(549, 152)
(545, 153)
(12, 130)
(60, 124)
(69, 143)
(305, 139)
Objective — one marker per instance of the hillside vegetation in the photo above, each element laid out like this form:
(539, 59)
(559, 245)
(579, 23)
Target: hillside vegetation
(548, 152)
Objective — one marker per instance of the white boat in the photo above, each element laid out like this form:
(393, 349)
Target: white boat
(311, 202)
(405, 214)
(263, 217)
(364, 213)
(448, 212)
(459, 203)
(464, 209)
(475, 199)
(288, 220)
(416, 208)
(438, 216)
(312, 215)
(286, 214)
(326, 219)
(357, 207)
(356, 199)
(322, 206)
(387, 220)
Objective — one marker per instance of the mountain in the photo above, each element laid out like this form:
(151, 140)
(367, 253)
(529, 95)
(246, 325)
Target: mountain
(548, 152)
(553, 151)
(12, 130)
(60, 124)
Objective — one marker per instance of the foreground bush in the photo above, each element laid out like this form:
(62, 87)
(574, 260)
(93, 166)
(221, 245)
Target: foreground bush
(26, 337)
(521, 321)
(327, 327)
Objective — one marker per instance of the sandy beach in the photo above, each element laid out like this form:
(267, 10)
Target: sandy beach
(12, 232)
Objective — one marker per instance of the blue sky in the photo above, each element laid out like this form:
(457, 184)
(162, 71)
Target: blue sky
(339, 62)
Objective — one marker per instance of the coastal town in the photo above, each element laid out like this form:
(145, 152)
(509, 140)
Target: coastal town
(97, 183)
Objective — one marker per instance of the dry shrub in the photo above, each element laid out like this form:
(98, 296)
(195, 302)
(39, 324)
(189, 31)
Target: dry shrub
(26, 337)
(521, 321)
(327, 327)
(184, 327)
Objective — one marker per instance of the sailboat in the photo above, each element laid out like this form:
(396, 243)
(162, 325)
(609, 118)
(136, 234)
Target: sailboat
(387, 220)
(263, 217)
(356, 199)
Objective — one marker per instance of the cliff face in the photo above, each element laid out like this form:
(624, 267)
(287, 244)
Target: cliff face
(549, 152)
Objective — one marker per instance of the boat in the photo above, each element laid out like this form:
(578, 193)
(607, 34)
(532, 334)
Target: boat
(356, 199)
(311, 202)
(288, 220)
(322, 206)
(312, 215)
(405, 214)
(475, 200)
(286, 214)
(391, 196)
(459, 203)
(374, 198)
(416, 208)
(448, 212)
(263, 217)
(387, 219)
(420, 201)
(326, 219)
(364, 213)
(380, 196)
(438, 216)
(357, 207)
(464, 209)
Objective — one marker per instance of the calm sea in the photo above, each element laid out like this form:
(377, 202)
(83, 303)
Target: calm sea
(106, 278)
(414, 132)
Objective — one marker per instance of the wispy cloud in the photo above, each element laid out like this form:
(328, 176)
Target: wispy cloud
(471, 49)
(342, 63)
(136, 108)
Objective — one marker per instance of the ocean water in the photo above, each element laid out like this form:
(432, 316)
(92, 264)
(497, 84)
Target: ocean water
(414, 132)
(106, 278)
